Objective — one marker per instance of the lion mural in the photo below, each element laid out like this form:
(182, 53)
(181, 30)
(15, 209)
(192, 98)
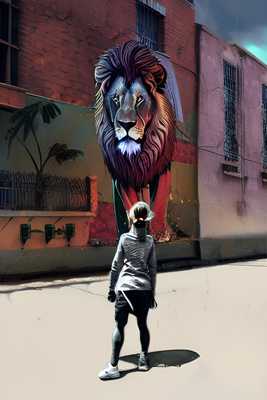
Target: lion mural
(136, 130)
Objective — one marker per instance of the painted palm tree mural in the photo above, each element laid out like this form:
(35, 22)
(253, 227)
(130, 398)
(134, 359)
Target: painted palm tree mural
(23, 129)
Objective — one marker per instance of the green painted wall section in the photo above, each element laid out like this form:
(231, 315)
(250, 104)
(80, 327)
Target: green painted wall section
(76, 127)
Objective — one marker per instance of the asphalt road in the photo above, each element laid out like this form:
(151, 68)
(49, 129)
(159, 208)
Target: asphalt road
(56, 336)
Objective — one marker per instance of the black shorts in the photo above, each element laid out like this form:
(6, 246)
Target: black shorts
(136, 302)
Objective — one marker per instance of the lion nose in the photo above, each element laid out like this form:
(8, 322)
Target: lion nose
(127, 125)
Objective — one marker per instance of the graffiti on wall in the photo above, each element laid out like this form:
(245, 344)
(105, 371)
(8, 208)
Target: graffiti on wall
(135, 124)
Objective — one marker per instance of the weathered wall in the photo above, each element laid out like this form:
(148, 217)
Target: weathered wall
(230, 207)
(60, 44)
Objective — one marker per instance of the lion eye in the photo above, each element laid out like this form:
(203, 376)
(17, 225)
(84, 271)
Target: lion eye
(139, 100)
(116, 99)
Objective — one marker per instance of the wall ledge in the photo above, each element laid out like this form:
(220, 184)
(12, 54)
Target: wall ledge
(264, 176)
(12, 97)
(232, 169)
(233, 247)
(35, 213)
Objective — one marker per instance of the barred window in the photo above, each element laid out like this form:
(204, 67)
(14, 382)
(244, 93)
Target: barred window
(9, 41)
(264, 124)
(150, 25)
(231, 152)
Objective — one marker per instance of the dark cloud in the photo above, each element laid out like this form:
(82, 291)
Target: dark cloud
(231, 16)
(240, 21)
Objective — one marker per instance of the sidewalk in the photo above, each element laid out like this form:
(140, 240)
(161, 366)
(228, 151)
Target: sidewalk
(55, 337)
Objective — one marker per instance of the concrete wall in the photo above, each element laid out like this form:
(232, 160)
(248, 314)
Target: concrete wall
(81, 259)
(231, 207)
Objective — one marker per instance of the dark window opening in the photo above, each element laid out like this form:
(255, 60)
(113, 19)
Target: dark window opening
(4, 18)
(14, 26)
(231, 151)
(264, 124)
(3, 62)
(150, 27)
(9, 15)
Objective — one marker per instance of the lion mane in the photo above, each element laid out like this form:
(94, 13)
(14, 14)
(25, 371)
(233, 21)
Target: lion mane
(131, 61)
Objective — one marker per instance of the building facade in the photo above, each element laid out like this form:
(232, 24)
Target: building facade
(48, 53)
(231, 150)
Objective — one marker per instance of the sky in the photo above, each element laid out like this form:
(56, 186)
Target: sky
(243, 22)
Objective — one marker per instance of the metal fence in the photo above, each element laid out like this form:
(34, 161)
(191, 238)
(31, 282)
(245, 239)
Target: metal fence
(264, 124)
(231, 148)
(150, 27)
(20, 191)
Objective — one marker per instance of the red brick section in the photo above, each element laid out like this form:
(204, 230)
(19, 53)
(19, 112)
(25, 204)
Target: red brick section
(180, 39)
(61, 40)
(185, 153)
(11, 97)
(103, 228)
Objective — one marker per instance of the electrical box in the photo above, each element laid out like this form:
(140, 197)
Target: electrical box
(69, 231)
(50, 232)
(25, 233)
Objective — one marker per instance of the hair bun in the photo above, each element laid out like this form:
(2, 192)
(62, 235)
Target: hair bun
(140, 213)
(139, 223)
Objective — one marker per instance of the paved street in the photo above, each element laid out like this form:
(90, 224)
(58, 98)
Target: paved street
(55, 337)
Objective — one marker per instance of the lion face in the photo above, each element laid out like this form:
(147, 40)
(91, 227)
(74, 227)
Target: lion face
(134, 120)
(130, 111)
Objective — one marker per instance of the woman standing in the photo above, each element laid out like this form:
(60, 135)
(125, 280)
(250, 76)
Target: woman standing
(132, 286)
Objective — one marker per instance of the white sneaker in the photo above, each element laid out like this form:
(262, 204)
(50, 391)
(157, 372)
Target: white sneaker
(143, 363)
(109, 372)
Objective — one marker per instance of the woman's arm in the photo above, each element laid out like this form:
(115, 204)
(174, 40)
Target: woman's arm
(117, 264)
(152, 264)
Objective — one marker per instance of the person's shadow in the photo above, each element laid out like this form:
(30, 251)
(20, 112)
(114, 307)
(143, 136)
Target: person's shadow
(164, 358)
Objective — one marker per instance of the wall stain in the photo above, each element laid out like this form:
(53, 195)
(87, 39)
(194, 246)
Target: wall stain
(6, 224)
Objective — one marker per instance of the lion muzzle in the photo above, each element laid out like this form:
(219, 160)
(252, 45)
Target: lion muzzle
(125, 127)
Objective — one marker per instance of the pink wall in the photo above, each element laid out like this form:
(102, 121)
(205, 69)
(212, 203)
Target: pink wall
(230, 206)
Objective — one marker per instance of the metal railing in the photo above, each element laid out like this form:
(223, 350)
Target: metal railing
(264, 125)
(20, 191)
(231, 147)
(150, 27)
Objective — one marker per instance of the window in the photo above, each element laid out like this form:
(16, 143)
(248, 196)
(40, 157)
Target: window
(150, 24)
(8, 41)
(231, 152)
(264, 124)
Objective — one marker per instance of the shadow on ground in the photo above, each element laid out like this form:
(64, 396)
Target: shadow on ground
(164, 358)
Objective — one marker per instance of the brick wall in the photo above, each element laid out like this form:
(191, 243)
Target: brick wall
(180, 46)
(61, 40)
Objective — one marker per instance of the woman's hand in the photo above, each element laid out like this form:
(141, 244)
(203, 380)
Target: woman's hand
(153, 303)
(111, 296)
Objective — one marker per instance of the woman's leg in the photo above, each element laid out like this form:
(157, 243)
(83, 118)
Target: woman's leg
(144, 332)
(118, 336)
